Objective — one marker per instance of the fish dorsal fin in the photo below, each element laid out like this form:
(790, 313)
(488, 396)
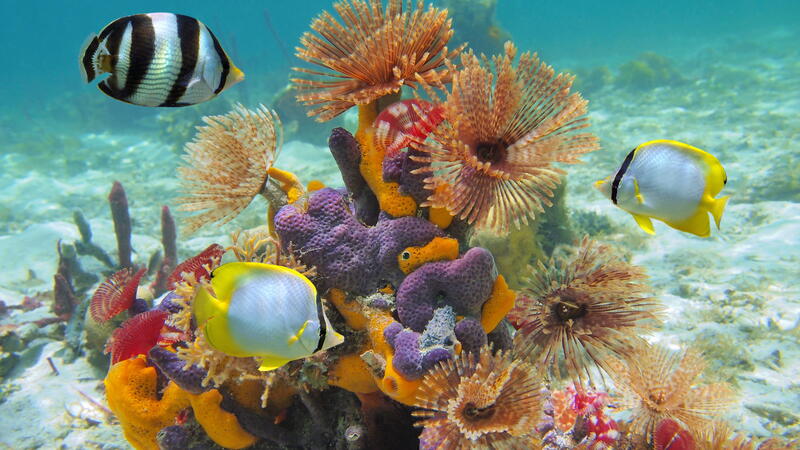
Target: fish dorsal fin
(299, 333)
(698, 224)
(271, 363)
(637, 191)
(644, 223)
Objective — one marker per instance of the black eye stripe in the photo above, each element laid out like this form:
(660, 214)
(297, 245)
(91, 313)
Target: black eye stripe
(323, 327)
(620, 173)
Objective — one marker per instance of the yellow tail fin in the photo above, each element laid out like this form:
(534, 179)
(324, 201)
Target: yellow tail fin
(718, 207)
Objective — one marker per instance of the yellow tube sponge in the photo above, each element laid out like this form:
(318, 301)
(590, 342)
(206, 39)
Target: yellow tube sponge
(388, 193)
(499, 304)
(437, 249)
(131, 393)
(221, 426)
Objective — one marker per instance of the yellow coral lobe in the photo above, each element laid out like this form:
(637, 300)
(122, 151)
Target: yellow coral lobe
(398, 387)
(438, 249)
(351, 311)
(350, 372)
(314, 185)
(221, 426)
(499, 304)
(389, 197)
(289, 183)
(131, 394)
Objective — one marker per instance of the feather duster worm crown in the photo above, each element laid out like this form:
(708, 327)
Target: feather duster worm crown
(581, 307)
(227, 164)
(505, 125)
(485, 400)
(372, 52)
(658, 384)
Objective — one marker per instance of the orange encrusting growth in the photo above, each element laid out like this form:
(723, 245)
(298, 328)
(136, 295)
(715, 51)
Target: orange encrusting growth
(388, 193)
(288, 183)
(438, 249)
(351, 373)
(131, 393)
(498, 305)
(221, 426)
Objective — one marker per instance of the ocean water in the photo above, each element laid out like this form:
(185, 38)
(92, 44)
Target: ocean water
(721, 76)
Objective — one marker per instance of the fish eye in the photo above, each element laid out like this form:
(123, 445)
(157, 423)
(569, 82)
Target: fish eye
(405, 255)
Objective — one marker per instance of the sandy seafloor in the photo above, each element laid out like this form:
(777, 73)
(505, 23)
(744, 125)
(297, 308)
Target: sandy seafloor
(735, 294)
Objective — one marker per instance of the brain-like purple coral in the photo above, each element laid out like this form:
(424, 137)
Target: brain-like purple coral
(464, 283)
(348, 255)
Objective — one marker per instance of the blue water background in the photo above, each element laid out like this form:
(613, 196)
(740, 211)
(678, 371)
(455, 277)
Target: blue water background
(39, 40)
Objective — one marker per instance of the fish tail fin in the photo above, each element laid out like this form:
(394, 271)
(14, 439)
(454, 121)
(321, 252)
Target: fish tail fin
(89, 58)
(718, 207)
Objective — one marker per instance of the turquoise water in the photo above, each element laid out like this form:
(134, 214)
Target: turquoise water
(722, 76)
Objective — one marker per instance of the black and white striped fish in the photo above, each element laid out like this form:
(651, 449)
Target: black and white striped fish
(158, 59)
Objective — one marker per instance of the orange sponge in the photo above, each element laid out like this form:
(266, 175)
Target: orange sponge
(499, 304)
(350, 372)
(131, 393)
(437, 249)
(221, 426)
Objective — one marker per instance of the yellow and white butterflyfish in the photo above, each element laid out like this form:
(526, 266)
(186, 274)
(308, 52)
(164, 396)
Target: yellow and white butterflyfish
(265, 311)
(669, 181)
(158, 59)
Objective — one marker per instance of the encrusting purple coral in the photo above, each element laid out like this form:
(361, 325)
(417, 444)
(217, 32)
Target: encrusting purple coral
(464, 283)
(347, 254)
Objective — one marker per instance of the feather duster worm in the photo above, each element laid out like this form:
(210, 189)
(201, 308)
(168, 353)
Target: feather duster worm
(227, 164)
(404, 122)
(479, 400)
(199, 265)
(372, 52)
(491, 160)
(658, 384)
(115, 295)
(579, 308)
(136, 336)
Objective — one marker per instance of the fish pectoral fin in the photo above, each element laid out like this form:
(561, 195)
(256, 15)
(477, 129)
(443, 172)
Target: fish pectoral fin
(639, 196)
(299, 333)
(717, 207)
(271, 363)
(644, 223)
(698, 224)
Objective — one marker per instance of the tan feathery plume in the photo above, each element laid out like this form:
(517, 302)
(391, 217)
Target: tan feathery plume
(480, 400)
(579, 308)
(227, 164)
(491, 159)
(656, 384)
(257, 245)
(371, 53)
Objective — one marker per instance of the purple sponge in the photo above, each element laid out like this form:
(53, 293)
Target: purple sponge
(464, 283)
(348, 255)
